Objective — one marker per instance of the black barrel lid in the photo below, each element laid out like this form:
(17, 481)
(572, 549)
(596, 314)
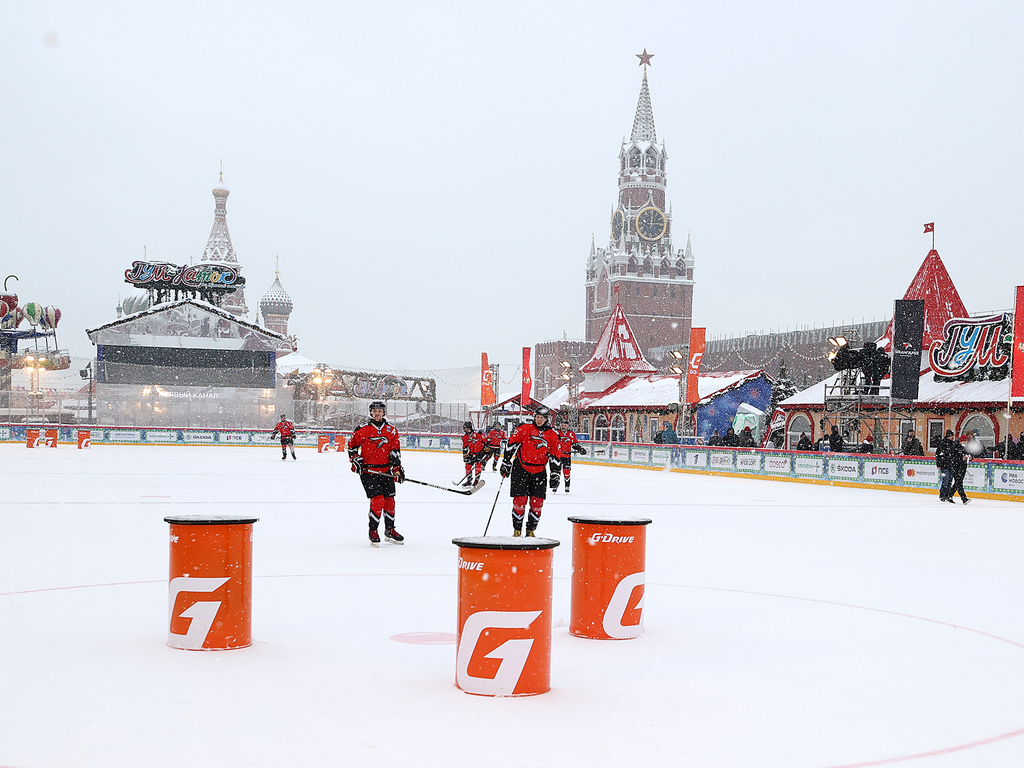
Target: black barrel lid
(209, 520)
(505, 542)
(611, 520)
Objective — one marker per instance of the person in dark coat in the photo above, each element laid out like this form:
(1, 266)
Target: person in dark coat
(805, 443)
(867, 445)
(731, 439)
(668, 435)
(912, 446)
(715, 439)
(951, 459)
(835, 441)
(746, 438)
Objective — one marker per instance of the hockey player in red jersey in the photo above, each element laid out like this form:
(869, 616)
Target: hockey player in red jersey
(286, 430)
(376, 455)
(473, 445)
(529, 450)
(495, 437)
(567, 444)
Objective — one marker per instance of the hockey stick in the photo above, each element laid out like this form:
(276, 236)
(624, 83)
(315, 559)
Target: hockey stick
(495, 504)
(461, 491)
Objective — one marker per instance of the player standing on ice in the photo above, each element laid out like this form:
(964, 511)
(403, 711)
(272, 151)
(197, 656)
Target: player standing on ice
(494, 440)
(286, 430)
(567, 443)
(376, 455)
(529, 450)
(473, 446)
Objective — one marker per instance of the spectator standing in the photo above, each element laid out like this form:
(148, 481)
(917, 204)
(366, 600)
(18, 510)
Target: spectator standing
(912, 446)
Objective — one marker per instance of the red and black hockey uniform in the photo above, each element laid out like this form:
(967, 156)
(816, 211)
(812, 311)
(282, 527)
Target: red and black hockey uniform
(530, 449)
(495, 438)
(286, 430)
(474, 444)
(376, 455)
(567, 444)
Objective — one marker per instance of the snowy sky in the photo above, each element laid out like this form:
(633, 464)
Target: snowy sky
(431, 173)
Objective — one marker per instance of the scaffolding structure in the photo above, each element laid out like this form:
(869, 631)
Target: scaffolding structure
(852, 403)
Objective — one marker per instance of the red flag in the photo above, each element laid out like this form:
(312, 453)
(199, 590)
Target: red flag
(524, 398)
(1017, 376)
(929, 228)
(693, 368)
(486, 382)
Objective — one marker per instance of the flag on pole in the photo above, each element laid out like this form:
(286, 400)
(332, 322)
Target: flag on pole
(1017, 375)
(693, 369)
(524, 398)
(929, 228)
(486, 382)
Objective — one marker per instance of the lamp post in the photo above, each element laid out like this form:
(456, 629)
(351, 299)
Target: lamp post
(35, 365)
(569, 375)
(682, 358)
(87, 373)
(322, 381)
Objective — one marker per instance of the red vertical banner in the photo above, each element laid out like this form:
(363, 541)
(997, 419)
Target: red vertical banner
(1017, 378)
(524, 398)
(693, 369)
(486, 382)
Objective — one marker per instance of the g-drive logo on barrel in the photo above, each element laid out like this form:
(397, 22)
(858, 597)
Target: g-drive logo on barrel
(619, 604)
(513, 653)
(201, 613)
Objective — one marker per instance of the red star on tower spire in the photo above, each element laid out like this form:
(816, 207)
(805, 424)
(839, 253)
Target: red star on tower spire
(645, 58)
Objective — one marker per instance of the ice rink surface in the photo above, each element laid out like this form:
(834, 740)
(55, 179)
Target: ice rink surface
(787, 624)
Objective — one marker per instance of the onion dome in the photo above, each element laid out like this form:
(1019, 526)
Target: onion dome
(276, 301)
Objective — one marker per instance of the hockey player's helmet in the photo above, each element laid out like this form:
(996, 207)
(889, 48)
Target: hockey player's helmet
(378, 404)
(545, 412)
(467, 426)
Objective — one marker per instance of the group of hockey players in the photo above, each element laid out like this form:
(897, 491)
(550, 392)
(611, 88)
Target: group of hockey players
(536, 456)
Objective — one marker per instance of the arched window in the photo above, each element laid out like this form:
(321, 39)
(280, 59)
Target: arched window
(634, 158)
(648, 266)
(601, 428)
(652, 158)
(618, 429)
(982, 427)
(798, 425)
(631, 265)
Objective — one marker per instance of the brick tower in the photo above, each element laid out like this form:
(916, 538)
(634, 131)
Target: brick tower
(639, 270)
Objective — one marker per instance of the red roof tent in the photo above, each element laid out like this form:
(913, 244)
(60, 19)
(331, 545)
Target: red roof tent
(941, 300)
(617, 350)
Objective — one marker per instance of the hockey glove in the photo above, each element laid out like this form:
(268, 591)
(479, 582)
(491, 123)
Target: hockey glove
(580, 449)
(357, 464)
(506, 468)
(465, 456)
(399, 474)
(273, 434)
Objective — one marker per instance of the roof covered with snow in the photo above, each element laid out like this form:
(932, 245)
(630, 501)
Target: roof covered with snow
(654, 390)
(932, 284)
(617, 350)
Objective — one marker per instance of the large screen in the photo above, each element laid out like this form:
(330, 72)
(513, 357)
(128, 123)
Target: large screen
(177, 367)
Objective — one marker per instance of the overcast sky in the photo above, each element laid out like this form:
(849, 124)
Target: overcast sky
(430, 174)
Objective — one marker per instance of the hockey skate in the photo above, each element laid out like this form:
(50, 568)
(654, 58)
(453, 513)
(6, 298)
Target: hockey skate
(530, 534)
(374, 538)
(516, 533)
(394, 536)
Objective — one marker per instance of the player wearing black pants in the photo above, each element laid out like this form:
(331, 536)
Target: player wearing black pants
(529, 450)
(376, 455)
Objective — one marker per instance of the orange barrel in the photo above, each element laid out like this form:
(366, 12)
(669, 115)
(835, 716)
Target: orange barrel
(323, 443)
(31, 438)
(210, 583)
(608, 563)
(52, 436)
(504, 640)
(84, 438)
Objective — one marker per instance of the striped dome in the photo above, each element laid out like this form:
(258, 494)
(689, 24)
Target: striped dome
(276, 301)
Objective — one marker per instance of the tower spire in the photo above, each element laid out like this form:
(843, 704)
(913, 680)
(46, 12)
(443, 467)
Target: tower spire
(643, 123)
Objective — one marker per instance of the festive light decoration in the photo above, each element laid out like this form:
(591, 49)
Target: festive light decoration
(33, 313)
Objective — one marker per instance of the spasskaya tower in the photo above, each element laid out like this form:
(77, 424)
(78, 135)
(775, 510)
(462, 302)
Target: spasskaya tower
(639, 269)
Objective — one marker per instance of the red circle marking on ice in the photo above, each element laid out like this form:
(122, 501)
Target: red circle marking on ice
(426, 638)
